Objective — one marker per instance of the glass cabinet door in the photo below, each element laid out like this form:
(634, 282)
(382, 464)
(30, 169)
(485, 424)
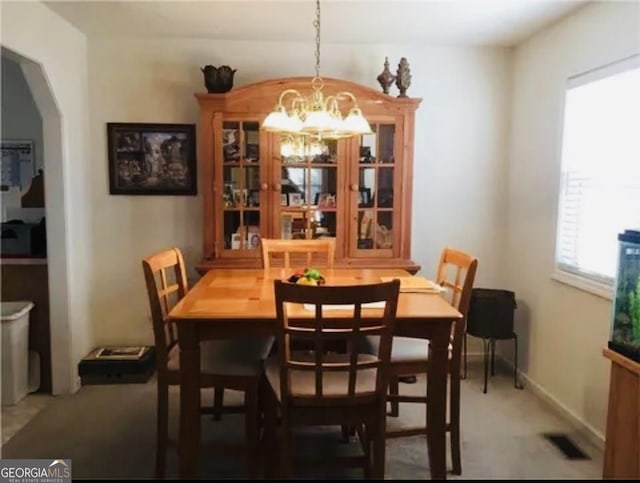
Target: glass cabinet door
(309, 197)
(242, 197)
(375, 178)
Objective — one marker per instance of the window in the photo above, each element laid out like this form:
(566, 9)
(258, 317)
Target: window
(600, 178)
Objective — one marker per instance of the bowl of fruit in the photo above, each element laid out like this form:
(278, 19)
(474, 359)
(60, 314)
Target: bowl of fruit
(308, 276)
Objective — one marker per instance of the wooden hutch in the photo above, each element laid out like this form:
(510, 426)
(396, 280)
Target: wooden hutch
(358, 189)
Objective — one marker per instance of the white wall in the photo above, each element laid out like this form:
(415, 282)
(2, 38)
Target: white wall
(459, 183)
(563, 329)
(54, 55)
(20, 116)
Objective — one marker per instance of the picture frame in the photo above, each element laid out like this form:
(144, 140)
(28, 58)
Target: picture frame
(253, 237)
(253, 199)
(152, 159)
(122, 353)
(364, 197)
(18, 162)
(236, 241)
(326, 200)
(295, 199)
(231, 145)
(240, 197)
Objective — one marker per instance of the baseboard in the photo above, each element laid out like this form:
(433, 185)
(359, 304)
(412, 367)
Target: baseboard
(472, 356)
(592, 435)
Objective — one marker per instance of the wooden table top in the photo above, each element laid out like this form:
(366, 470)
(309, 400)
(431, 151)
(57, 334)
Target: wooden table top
(249, 294)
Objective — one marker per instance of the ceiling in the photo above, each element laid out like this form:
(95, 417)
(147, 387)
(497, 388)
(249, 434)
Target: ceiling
(470, 22)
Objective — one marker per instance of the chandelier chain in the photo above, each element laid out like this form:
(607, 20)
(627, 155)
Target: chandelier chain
(316, 115)
(316, 24)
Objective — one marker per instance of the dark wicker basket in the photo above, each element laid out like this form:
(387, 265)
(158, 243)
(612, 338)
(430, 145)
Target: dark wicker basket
(491, 313)
(491, 317)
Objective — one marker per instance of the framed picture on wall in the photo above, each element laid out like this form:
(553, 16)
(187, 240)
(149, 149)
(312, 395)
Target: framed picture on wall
(152, 159)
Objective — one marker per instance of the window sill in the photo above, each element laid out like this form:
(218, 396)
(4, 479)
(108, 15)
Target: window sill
(600, 289)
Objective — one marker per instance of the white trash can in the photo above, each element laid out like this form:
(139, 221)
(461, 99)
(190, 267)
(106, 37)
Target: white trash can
(15, 351)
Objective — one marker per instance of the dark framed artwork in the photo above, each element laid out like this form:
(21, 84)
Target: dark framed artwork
(152, 159)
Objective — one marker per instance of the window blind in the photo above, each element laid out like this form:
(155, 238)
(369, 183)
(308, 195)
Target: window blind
(600, 177)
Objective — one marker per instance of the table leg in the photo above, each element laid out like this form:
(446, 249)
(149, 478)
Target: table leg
(437, 406)
(189, 399)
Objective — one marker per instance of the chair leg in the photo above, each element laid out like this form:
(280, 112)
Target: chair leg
(286, 455)
(454, 424)
(394, 388)
(465, 355)
(218, 401)
(486, 343)
(252, 422)
(270, 439)
(162, 429)
(516, 384)
(365, 433)
(493, 357)
(378, 452)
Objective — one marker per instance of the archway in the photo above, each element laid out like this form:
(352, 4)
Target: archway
(55, 207)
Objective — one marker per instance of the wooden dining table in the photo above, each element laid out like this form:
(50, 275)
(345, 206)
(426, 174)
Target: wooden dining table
(240, 302)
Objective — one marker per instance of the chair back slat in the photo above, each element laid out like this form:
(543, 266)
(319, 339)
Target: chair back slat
(324, 325)
(166, 283)
(317, 253)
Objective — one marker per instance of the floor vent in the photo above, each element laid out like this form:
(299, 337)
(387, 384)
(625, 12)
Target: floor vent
(568, 447)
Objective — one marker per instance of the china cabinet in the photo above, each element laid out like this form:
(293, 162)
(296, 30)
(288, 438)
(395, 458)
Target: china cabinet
(258, 184)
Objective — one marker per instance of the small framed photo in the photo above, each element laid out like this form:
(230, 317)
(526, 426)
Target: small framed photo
(236, 241)
(151, 159)
(254, 241)
(284, 200)
(240, 197)
(295, 199)
(326, 200)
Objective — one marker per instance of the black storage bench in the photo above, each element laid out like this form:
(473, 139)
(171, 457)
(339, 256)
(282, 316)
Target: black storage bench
(125, 370)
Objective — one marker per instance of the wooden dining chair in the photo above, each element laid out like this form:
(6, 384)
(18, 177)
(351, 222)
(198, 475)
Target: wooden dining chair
(233, 363)
(305, 253)
(409, 357)
(306, 388)
(302, 252)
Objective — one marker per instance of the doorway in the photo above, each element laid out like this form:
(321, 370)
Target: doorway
(57, 367)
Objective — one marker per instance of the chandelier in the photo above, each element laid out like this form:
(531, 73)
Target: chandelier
(316, 115)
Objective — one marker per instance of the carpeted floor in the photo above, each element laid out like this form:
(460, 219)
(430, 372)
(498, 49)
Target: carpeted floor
(109, 433)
